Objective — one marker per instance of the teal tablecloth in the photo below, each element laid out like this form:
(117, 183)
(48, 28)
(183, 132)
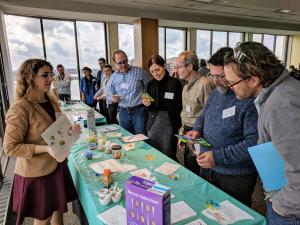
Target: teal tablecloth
(189, 187)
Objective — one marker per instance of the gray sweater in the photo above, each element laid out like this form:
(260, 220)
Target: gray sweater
(279, 122)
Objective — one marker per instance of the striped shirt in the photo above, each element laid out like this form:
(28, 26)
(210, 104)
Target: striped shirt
(129, 86)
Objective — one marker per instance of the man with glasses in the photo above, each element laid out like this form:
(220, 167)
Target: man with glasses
(257, 72)
(126, 87)
(194, 96)
(229, 125)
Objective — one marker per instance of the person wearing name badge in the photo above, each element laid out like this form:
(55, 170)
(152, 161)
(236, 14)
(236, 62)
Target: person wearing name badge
(194, 96)
(126, 87)
(87, 87)
(230, 126)
(255, 71)
(42, 186)
(63, 84)
(164, 108)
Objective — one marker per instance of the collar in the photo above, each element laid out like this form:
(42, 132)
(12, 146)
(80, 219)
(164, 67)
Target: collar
(193, 81)
(128, 69)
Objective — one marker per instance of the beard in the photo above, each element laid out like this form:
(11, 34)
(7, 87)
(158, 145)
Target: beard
(222, 90)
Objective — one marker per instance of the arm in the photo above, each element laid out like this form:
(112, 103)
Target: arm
(110, 90)
(238, 153)
(144, 79)
(206, 88)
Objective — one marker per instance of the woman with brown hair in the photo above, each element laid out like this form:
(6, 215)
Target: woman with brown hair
(42, 186)
(164, 112)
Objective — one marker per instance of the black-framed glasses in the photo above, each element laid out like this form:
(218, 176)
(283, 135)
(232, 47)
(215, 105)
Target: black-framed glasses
(213, 77)
(46, 75)
(230, 85)
(124, 62)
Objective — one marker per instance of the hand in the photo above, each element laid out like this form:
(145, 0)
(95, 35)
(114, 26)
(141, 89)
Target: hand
(115, 98)
(146, 102)
(206, 160)
(82, 98)
(180, 145)
(193, 134)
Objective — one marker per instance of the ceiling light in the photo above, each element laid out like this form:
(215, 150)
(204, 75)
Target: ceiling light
(205, 1)
(285, 11)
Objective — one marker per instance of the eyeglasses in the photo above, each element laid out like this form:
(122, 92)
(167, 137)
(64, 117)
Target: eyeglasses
(213, 77)
(46, 75)
(178, 67)
(156, 70)
(124, 62)
(230, 85)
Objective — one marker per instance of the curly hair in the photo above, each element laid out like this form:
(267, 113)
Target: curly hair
(254, 59)
(26, 74)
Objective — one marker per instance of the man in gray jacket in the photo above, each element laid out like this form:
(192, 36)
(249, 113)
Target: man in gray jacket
(254, 71)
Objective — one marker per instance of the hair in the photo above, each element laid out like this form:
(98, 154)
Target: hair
(254, 59)
(87, 68)
(26, 74)
(107, 66)
(156, 59)
(217, 59)
(118, 51)
(203, 63)
(102, 59)
(59, 66)
(190, 57)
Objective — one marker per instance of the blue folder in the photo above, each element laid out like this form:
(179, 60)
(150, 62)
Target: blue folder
(269, 165)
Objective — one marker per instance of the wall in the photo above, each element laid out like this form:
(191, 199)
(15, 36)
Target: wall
(295, 51)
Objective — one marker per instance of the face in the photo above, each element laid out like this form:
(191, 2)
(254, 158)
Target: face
(248, 88)
(157, 71)
(101, 63)
(61, 70)
(107, 71)
(121, 62)
(43, 79)
(86, 73)
(182, 70)
(217, 75)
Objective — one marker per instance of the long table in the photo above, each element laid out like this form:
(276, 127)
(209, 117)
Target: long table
(189, 187)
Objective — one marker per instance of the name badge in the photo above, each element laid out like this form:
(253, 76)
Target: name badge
(188, 108)
(124, 86)
(169, 95)
(228, 112)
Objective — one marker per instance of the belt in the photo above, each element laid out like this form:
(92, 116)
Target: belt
(132, 108)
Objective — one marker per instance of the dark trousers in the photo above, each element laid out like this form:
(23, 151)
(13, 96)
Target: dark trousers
(240, 187)
(110, 112)
(64, 97)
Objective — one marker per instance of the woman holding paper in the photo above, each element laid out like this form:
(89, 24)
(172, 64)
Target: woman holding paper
(163, 99)
(42, 186)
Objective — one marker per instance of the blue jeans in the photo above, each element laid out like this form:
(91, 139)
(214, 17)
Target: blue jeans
(133, 120)
(273, 218)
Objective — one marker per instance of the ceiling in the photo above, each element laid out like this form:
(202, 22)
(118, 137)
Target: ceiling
(253, 14)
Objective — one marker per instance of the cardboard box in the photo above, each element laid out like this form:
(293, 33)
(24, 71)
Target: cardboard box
(147, 203)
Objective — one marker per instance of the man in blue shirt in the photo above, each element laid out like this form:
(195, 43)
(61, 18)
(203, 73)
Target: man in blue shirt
(230, 126)
(126, 86)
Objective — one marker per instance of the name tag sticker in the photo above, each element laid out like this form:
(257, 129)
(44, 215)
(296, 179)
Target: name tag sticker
(124, 86)
(188, 108)
(228, 112)
(169, 95)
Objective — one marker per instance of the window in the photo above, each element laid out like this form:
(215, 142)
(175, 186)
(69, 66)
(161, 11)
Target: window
(61, 49)
(21, 48)
(257, 38)
(203, 44)
(126, 40)
(234, 38)
(175, 44)
(269, 41)
(91, 44)
(280, 48)
(219, 40)
(161, 41)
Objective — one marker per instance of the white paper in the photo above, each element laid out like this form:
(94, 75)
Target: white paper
(111, 164)
(142, 173)
(114, 216)
(169, 95)
(197, 222)
(114, 134)
(60, 136)
(91, 122)
(108, 129)
(167, 168)
(228, 213)
(134, 138)
(228, 112)
(188, 108)
(129, 146)
(181, 211)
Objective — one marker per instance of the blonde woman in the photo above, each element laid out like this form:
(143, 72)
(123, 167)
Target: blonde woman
(42, 186)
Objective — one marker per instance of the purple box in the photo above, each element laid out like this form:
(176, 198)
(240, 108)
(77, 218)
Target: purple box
(147, 203)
